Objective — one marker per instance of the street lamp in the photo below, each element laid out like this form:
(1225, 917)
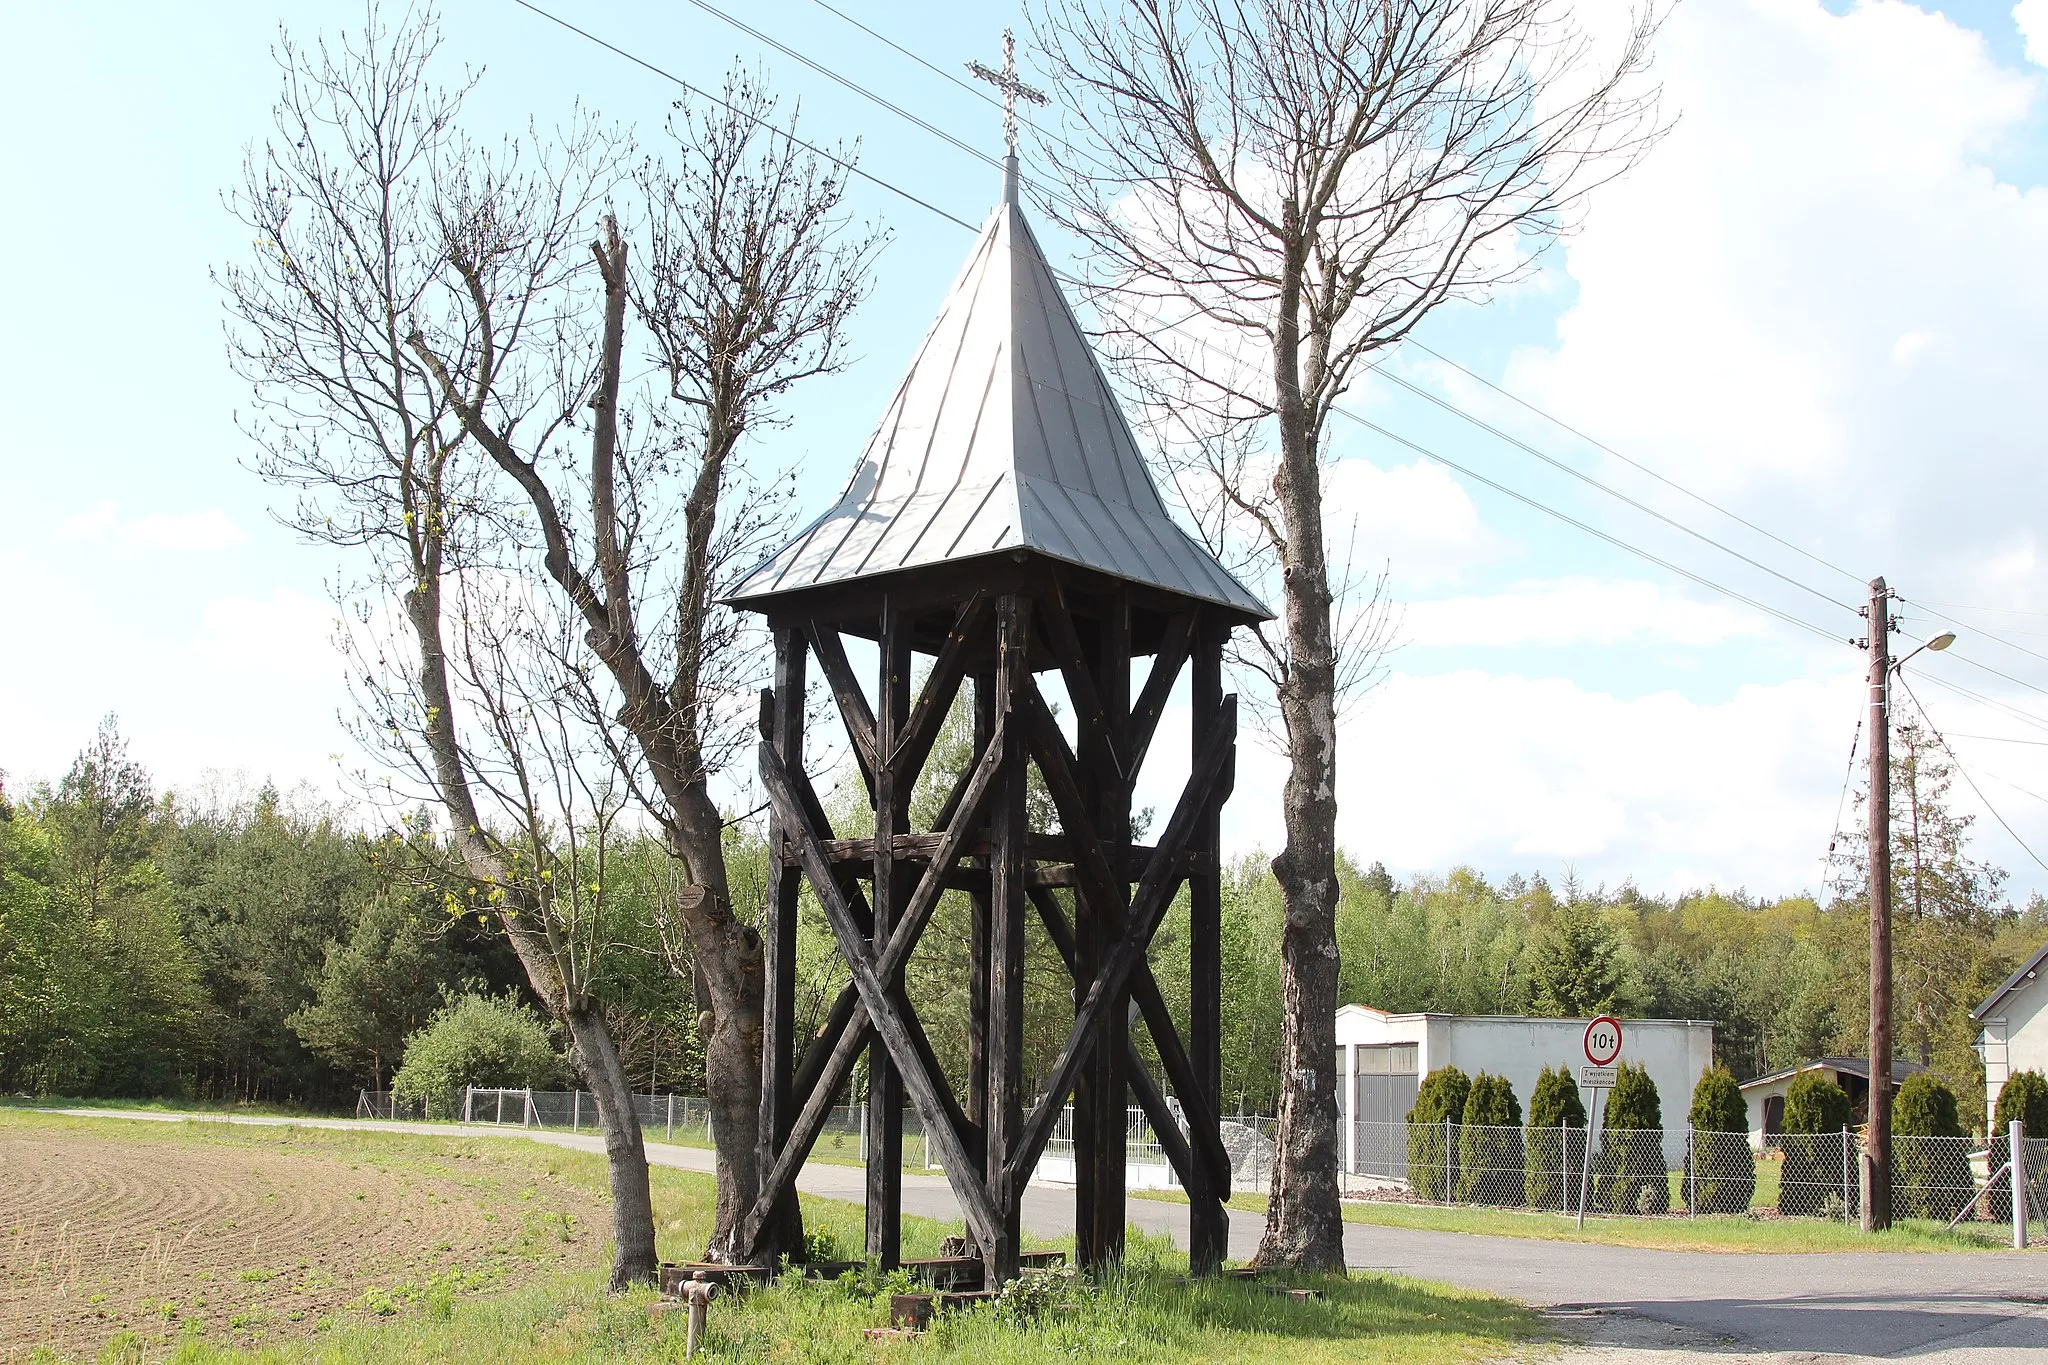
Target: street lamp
(1937, 644)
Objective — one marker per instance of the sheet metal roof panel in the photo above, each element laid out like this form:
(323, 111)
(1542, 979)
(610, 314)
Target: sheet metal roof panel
(1003, 433)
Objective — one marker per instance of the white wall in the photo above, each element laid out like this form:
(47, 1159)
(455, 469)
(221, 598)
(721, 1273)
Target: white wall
(2023, 1018)
(1675, 1051)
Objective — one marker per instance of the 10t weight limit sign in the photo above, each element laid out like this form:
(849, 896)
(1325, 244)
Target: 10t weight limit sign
(1603, 1045)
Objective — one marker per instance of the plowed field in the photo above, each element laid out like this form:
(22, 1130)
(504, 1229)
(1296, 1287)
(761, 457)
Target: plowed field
(109, 1235)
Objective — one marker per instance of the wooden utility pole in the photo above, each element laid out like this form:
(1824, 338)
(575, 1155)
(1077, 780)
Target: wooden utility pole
(1877, 1166)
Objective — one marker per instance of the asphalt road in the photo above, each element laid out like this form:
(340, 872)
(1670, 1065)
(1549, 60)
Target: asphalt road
(1934, 1309)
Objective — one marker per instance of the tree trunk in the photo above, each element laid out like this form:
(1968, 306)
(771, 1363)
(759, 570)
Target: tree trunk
(730, 953)
(597, 1061)
(1304, 1221)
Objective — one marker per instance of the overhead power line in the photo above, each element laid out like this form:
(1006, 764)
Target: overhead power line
(1531, 502)
(1941, 740)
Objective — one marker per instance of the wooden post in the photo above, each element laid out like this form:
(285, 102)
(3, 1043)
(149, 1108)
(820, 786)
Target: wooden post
(785, 723)
(1208, 1224)
(1007, 908)
(978, 932)
(1877, 1194)
(1101, 1101)
(892, 817)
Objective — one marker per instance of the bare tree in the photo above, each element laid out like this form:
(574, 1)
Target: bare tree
(429, 344)
(747, 285)
(1275, 190)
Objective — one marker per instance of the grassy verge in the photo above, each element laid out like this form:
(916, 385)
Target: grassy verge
(1146, 1313)
(1677, 1233)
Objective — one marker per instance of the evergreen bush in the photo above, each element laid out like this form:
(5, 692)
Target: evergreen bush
(2024, 1096)
(1632, 1178)
(489, 1041)
(1816, 1112)
(1553, 1159)
(1440, 1098)
(1490, 1159)
(1723, 1171)
(1930, 1170)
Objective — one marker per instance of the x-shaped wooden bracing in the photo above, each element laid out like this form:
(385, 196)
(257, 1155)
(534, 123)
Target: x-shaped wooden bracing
(879, 1009)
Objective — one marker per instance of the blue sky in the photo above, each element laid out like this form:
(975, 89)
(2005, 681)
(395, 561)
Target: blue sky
(1818, 304)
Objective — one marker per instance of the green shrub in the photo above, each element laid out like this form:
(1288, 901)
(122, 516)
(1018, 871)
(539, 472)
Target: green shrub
(1553, 1160)
(2024, 1096)
(1440, 1098)
(1930, 1177)
(1490, 1162)
(1723, 1171)
(1630, 1168)
(1816, 1112)
(480, 1040)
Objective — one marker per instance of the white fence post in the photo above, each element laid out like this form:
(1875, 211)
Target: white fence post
(1692, 1172)
(2016, 1137)
(671, 1119)
(576, 1111)
(1447, 1163)
(1848, 1181)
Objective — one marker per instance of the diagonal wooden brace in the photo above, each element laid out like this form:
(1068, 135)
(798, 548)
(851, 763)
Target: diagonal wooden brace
(854, 710)
(1206, 1126)
(928, 717)
(876, 1000)
(1148, 907)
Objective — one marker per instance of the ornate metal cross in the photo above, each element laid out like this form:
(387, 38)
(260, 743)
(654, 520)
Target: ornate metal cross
(1012, 88)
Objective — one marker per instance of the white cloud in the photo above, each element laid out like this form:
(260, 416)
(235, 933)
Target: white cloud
(1816, 299)
(1415, 517)
(211, 529)
(1576, 611)
(2031, 18)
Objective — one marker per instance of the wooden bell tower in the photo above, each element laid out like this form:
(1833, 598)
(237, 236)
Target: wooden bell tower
(1002, 523)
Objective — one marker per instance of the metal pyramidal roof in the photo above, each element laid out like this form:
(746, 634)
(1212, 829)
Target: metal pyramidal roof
(1003, 436)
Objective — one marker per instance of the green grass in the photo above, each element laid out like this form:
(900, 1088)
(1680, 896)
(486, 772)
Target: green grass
(1147, 1312)
(1674, 1233)
(162, 1106)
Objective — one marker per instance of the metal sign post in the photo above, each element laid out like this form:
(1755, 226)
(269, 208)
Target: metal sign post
(1603, 1047)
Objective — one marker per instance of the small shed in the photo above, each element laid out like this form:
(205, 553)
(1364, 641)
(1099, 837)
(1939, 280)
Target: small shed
(1765, 1095)
(2012, 1027)
(1383, 1057)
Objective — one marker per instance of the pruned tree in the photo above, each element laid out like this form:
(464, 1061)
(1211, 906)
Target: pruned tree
(1274, 191)
(441, 369)
(360, 206)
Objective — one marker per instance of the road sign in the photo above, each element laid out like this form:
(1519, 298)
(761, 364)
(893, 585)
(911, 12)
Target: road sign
(1603, 1041)
(1597, 1077)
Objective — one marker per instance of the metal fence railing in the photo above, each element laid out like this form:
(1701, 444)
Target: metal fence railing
(1634, 1173)
(1649, 1173)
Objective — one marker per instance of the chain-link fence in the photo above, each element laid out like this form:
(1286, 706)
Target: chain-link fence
(1651, 1173)
(1636, 1173)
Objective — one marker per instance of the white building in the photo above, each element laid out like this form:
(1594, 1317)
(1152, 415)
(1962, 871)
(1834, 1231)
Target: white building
(2012, 1027)
(1382, 1058)
(1765, 1096)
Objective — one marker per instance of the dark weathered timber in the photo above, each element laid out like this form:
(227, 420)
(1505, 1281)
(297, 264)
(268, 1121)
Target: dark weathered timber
(1096, 728)
(981, 843)
(978, 930)
(1208, 1223)
(884, 1113)
(885, 1013)
(914, 745)
(1148, 906)
(778, 934)
(1007, 827)
(1151, 704)
(1201, 1114)
(854, 711)
(1101, 1098)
